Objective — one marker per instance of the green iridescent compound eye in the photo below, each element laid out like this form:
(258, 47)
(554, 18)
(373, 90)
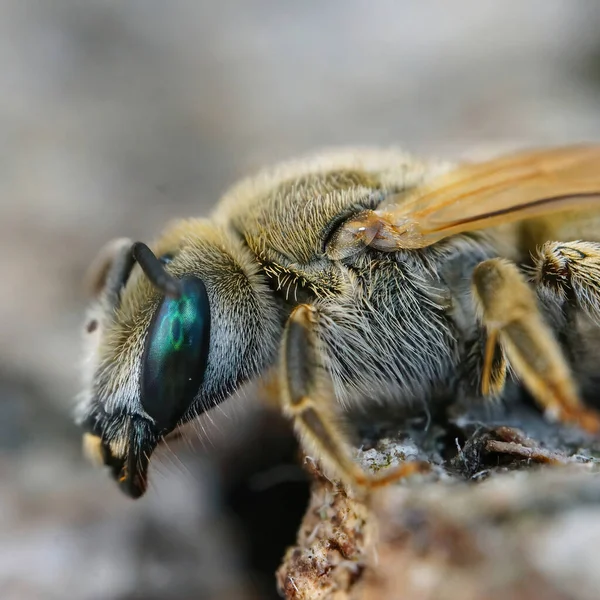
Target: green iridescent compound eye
(176, 353)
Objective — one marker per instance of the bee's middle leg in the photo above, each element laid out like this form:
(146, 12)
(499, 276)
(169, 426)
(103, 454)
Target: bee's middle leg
(308, 400)
(509, 311)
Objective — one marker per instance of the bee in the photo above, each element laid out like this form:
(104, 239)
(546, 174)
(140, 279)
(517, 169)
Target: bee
(351, 277)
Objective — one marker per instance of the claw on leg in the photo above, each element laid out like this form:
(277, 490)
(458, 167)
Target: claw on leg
(307, 399)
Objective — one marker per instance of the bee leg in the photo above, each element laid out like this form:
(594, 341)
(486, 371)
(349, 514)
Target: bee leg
(493, 375)
(568, 274)
(307, 400)
(509, 311)
(480, 373)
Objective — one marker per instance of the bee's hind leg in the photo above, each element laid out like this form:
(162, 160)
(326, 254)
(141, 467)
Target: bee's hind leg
(508, 310)
(567, 274)
(308, 400)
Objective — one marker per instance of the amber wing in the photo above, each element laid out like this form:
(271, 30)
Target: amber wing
(510, 188)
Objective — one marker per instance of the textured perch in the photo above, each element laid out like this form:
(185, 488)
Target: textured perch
(489, 523)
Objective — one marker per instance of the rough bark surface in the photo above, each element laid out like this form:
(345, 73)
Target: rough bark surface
(505, 513)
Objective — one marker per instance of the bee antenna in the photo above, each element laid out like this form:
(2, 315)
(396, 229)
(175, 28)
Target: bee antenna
(155, 270)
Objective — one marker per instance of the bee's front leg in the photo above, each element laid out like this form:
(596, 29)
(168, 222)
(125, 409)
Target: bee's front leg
(508, 309)
(307, 398)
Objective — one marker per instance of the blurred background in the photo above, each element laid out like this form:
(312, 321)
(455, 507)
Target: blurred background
(117, 116)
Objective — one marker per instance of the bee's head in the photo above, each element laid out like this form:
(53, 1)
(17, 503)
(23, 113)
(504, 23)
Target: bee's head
(170, 334)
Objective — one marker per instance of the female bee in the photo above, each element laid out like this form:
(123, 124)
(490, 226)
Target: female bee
(351, 276)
